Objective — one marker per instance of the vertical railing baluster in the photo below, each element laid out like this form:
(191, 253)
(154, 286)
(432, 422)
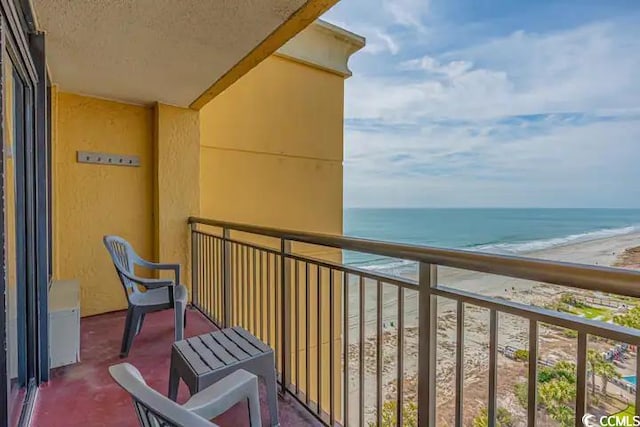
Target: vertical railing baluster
(237, 290)
(319, 336)
(277, 314)
(345, 351)
(226, 234)
(332, 402)
(428, 323)
(220, 281)
(243, 286)
(199, 267)
(362, 354)
(202, 262)
(493, 367)
(210, 268)
(532, 393)
(459, 364)
(194, 267)
(262, 294)
(218, 290)
(247, 284)
(205, 275)
(207, 280)
(210, 281)
(254, 286)
(205, 272)
(307, 298)
(400, 356)
(296, 304)
(285, 316)
(268, 290)
(581, 378)
(379, 352)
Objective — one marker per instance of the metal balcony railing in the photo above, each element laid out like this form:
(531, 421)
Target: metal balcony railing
(292, 290)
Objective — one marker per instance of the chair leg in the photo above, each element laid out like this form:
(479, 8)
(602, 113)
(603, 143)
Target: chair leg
(140, 322)
(179, 314)
(254, 410)
(130, 325)
(185, 317)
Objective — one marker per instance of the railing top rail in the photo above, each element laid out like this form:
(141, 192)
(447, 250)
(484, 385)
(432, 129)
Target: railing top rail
(590, 277)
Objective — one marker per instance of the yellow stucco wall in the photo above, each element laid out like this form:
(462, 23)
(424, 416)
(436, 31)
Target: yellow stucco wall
(176, 183)
(271, 154)
(94, 200)
(271, 149)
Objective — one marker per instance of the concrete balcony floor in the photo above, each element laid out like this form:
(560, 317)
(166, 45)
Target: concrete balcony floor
(85, 395)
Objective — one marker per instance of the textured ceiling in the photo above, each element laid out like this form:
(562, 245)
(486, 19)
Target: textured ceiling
(144, 51)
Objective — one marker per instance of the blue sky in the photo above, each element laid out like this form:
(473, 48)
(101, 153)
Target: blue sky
(492, 103)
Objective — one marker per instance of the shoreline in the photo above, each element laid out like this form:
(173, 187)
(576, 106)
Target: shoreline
(512, 330)
(602, 252)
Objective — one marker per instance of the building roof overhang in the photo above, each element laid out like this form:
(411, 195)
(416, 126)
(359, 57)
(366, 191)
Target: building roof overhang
(181, 53)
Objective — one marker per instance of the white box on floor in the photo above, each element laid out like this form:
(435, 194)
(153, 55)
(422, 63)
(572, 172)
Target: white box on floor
(64, 323)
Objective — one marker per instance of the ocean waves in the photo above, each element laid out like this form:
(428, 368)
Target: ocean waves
(397, 266)
(509, 248)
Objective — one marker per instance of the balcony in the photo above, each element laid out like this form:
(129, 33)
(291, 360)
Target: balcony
(358, 347)
(85, 395)
(292, 290)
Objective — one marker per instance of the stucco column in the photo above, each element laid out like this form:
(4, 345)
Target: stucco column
(176, 183)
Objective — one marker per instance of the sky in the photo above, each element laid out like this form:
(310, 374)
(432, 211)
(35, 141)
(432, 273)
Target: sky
(484, 103)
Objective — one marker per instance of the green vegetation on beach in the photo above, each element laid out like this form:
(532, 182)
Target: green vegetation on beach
(568, 303)
(626, 414)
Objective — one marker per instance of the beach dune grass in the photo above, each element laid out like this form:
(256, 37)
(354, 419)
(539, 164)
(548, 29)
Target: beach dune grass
(595, 312)
(568, 303)
(626, 414)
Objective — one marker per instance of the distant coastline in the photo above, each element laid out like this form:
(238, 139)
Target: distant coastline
(494, 230)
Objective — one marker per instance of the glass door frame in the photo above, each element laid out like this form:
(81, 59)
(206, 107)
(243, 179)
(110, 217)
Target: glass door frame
(26, 51)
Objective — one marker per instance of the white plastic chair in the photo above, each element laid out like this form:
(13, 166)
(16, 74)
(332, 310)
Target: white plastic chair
(156, 410)
(160, 294)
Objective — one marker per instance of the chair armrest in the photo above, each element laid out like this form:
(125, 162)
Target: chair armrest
(161, 266)
(148, 283)
(222, 395)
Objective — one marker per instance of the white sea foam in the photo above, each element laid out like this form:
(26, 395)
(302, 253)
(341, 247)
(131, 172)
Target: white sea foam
(396, 266)
(388, 265)
(538, 245)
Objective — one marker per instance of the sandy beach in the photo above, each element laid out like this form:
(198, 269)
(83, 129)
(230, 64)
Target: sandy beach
(512, 330)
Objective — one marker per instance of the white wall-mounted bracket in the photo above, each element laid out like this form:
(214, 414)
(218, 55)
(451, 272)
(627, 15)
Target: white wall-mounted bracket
(107, 159)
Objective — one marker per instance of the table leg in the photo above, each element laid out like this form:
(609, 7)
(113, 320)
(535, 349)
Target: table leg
(272, 393)
(174, 380)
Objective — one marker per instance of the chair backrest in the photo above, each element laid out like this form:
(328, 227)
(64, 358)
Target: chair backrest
(153, 409)
(123, 257)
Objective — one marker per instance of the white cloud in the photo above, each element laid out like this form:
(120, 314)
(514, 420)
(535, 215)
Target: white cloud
(443, 166)
(379, 20)
(432, 65)
(441, 128)
(591, 68)
(378, 41)
(408, 13)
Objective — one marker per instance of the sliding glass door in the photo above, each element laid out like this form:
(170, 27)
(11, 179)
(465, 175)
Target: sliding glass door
(25, 223)
(16, 111)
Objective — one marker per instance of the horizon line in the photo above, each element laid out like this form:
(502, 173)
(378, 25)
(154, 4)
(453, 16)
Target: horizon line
(488, 207)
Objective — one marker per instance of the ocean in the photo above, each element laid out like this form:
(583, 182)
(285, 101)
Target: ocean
(499, 230)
